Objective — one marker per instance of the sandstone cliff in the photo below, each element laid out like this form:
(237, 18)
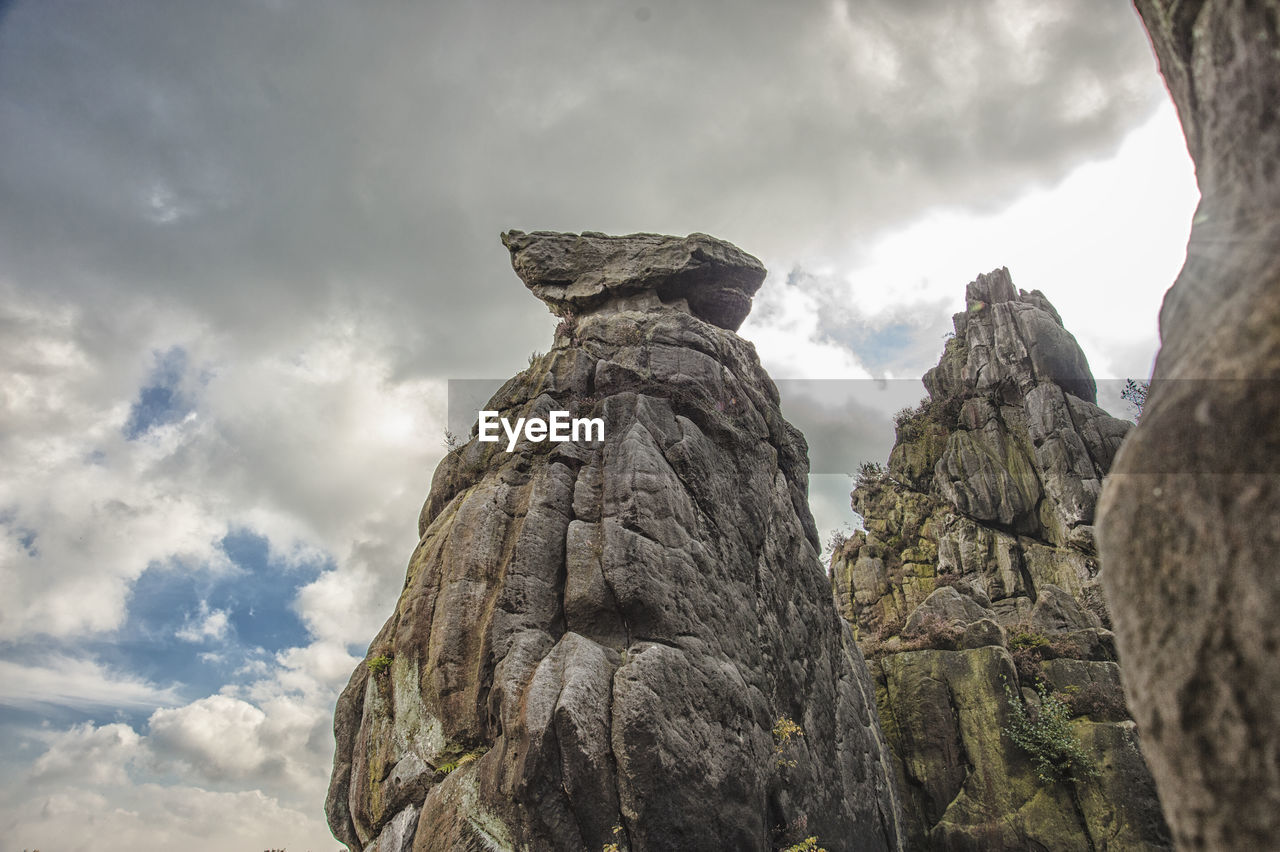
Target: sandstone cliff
(975, 591)
(1190, 528)
(596, 642)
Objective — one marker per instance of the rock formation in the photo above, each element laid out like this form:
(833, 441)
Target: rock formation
(974, 588)
(1190, 519)
(610, 642)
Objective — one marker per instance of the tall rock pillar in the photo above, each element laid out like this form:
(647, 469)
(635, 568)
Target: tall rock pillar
(612, 641)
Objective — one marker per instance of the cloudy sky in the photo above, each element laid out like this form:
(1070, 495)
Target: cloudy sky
(245, 245)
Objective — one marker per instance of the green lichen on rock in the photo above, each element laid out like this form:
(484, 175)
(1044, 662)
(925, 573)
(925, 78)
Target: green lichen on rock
(970, 786)
(977, 568)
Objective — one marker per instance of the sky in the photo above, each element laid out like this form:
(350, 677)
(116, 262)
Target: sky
(245, 247)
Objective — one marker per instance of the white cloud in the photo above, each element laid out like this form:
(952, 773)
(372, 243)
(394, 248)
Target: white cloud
(62, 681)
(97, 509)
(307, 445)
(319, 669)
(210, 625)
(155, 816)
(785, 329)
(218, 736)
(1104, 245)
(274, 733)
(86, 754)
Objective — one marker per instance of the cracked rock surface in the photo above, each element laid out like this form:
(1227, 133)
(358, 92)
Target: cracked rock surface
(578, 273)
(595, 640)
(978, 568)
(1190, 518)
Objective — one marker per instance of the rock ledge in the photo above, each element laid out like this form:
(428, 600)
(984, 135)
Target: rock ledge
(579, 273)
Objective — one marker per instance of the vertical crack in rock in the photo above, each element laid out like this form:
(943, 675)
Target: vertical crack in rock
(602, 634)
(978, 568)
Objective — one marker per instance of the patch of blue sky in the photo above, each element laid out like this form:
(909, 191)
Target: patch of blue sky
(162, 400)
(23, 535)
(880, 348)
(56, 716)
(23, 738)
(204, 629)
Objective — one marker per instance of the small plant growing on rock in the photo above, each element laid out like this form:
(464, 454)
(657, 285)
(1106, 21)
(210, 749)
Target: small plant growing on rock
(838, 539)
(890, 627)
(451, 441)
(879, 634)
(1028, 648)
(1135, 393)
(1022, 637)
(869, 473)
(934, 631)
(785, 734)
(809, 844)
(907, 423)
(1026, 661)
(568, 326)
(1046, 736)
(955, 581)
(614, 846)
(379, 664)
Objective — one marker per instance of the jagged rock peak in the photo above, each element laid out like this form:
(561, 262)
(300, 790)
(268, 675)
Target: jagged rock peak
(1000, 455)
(1010, 435)
(977, 568)
(581, 273)
(1014, 341)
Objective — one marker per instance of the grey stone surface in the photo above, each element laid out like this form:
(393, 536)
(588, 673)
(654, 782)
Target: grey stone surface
(1028, 447)
(1055, 610)
(970, 788)
(949, 605)
(580, 273)
(603, 635)
(978, 560)
(1016, 340)
(397, 835)
(982, 633)
(1189, 521)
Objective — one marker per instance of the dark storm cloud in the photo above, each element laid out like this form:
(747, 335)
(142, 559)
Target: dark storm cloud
(263, 163)
(846, 421)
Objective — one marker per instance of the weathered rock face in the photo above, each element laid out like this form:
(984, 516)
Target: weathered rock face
(1190, 519)
(595, 641)
(578, 273)
(977, 570)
